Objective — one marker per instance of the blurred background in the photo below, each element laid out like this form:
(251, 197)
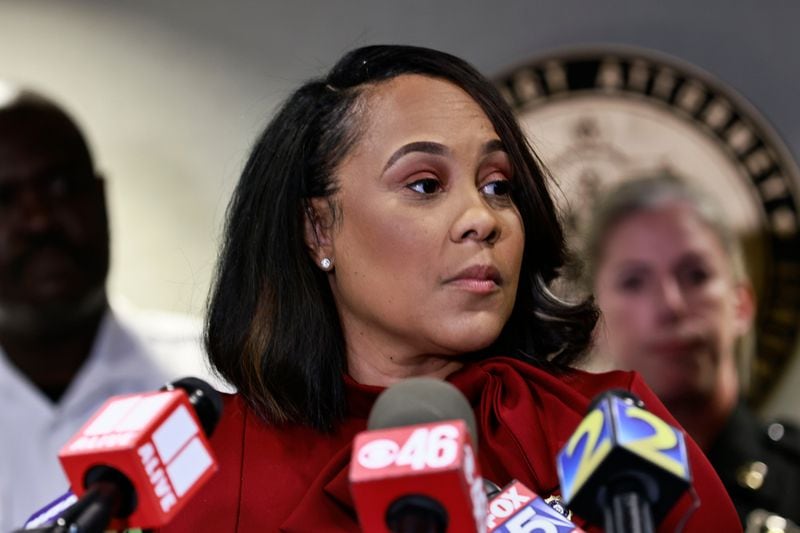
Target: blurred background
(173, 93)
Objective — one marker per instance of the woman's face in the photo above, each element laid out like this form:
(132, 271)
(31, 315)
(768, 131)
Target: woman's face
(671, 307)
(427, 245)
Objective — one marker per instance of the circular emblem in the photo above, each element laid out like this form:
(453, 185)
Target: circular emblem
(379, 453)
(599, 115)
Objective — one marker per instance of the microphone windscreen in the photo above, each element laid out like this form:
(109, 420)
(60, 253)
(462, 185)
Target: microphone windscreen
(416, 464)
(420, 401)
(205, 399)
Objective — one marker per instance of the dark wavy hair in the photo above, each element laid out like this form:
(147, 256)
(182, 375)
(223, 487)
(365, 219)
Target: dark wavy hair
(272, 327)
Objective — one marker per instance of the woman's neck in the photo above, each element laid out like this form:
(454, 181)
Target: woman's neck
(703, 418)
(385, 369)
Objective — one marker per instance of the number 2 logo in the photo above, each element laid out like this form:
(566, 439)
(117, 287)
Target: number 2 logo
(592, 453)
(653, 447)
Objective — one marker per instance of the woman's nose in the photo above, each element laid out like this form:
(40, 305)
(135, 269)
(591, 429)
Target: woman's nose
(671, 300)
(477, 221)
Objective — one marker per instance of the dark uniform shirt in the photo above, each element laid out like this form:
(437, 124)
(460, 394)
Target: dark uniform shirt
(759, 464)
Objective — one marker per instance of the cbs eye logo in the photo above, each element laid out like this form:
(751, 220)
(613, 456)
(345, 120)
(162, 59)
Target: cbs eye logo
(379, 453)
(434, 447)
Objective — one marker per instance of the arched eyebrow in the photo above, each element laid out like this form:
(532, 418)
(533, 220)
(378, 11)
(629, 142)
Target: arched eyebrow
(495, 145)
(428, 147)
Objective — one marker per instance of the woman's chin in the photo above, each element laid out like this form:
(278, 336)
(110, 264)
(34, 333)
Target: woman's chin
(468, 340)
(676, 388)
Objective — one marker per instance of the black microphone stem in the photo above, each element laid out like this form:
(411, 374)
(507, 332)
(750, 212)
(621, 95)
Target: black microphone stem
(629, 512)
(104, 501)
(90, 514)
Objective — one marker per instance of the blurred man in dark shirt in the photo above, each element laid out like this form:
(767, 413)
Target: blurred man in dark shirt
(63, 350)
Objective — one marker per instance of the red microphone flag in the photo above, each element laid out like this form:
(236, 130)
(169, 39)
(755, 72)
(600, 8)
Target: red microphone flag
(156, 441)
(435, 460)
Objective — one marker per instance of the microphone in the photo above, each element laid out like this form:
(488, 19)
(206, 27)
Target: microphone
(623, 467)
(490, 488)
(140, 458)
(517, 509)
(414, 469)
(50, 512)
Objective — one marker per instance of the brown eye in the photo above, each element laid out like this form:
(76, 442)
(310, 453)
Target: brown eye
(497, 188)
(425, 186)
(696, 276)
(65, 184)
(631, 284)
(58, 185)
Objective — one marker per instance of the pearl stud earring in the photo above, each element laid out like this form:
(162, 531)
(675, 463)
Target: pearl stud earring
(326, 263)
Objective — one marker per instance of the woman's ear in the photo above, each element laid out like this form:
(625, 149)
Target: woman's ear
(319, 231)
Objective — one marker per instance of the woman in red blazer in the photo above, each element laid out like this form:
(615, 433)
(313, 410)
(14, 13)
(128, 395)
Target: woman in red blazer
(392, 221)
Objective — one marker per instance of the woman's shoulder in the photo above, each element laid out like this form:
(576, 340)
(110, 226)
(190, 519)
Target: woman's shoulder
(221, 491)
(270, 476)
(229, 432)
(570, 389)
(559, 378)
(543, 409)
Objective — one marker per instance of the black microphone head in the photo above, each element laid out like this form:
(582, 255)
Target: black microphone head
(619, 447)
(205, 399)
(491, 489)
(625, 395)
(419, 401)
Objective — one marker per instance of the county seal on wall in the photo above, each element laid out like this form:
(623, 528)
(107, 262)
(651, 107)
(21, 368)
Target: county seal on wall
(597, 115)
